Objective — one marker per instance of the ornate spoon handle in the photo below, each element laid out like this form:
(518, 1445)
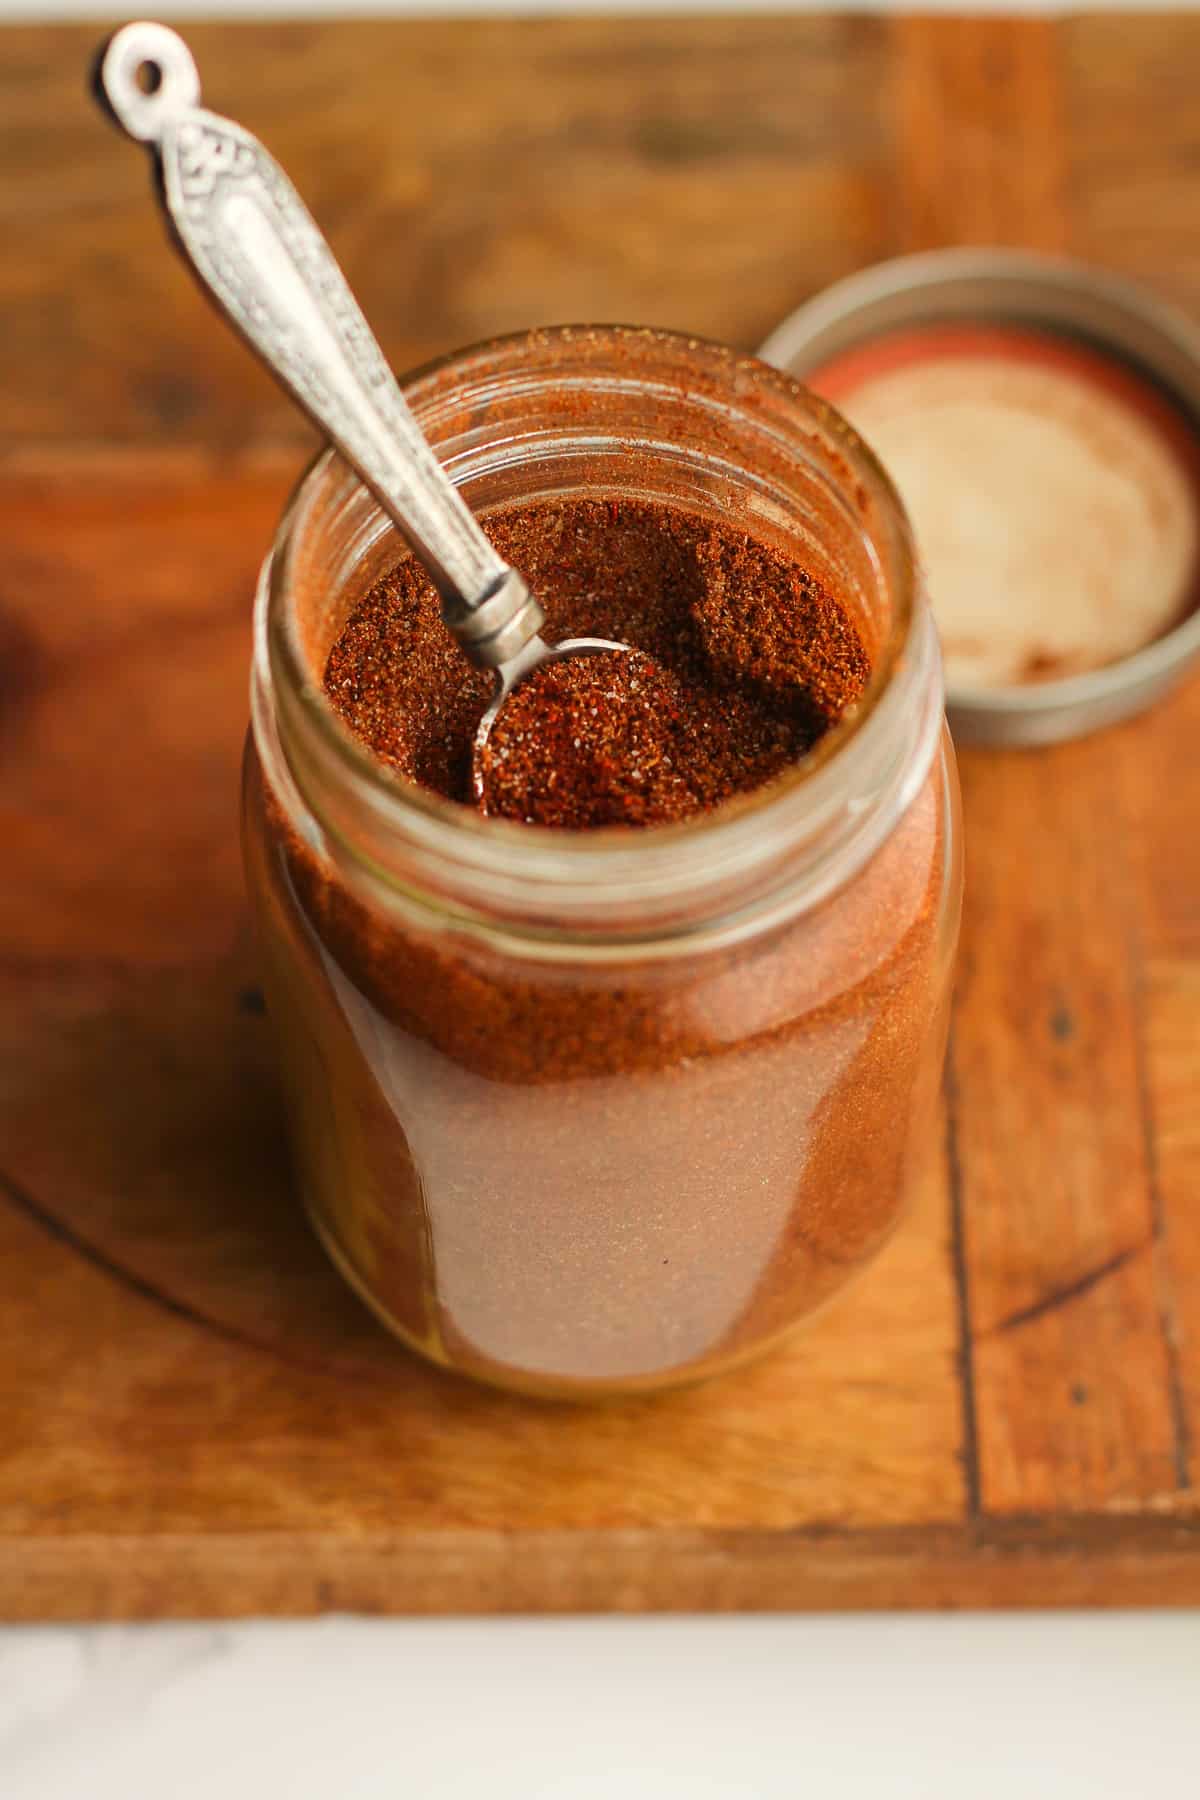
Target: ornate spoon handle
(250, 238)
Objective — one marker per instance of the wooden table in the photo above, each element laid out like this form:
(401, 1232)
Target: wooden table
(195, 1416)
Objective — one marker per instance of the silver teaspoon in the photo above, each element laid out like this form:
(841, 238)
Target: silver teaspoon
(240, 223)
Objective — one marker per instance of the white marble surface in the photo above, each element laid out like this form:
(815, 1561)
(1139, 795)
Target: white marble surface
(1069, 1707)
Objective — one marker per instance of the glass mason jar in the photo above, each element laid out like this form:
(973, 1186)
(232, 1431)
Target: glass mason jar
(593, 1112)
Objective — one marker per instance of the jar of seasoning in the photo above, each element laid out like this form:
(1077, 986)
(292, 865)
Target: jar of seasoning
(581, 1112)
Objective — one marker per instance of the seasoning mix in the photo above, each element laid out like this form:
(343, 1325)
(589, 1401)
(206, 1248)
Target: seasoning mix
(608, 1089)
(745, 661)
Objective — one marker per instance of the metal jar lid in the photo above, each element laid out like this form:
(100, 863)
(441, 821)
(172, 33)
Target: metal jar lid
(991, 287)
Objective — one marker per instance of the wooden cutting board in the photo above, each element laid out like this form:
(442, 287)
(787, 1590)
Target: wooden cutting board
(195, 1416)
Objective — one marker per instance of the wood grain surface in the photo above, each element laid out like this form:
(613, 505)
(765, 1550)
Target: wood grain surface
(195, 1415)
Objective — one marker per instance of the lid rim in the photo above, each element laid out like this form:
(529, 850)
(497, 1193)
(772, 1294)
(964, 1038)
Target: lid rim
(1148, 663)
(1057, 291)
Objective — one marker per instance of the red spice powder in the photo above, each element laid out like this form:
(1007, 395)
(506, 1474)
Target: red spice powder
(592, 740)
(617, 740)
(747, 661)
(566, 1173)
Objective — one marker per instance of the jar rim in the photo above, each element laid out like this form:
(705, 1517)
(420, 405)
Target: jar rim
(612, 859)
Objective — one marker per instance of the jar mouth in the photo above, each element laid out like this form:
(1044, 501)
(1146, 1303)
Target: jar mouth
(469, 403)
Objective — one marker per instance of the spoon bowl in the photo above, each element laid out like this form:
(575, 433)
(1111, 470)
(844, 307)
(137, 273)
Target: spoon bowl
(535, 655)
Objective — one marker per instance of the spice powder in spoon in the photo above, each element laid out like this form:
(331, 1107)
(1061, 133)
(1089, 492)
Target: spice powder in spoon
(743, 661)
